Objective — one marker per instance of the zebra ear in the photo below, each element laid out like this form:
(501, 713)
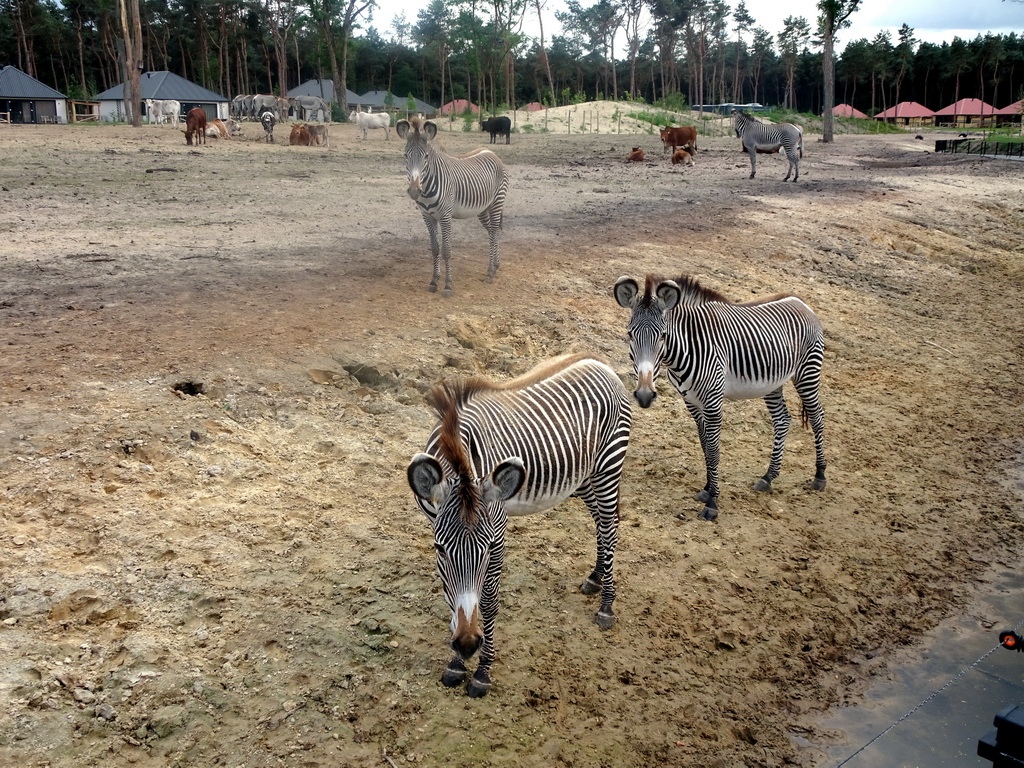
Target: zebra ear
(505, 481)
(425, 475)
(625, 291)
(402, 128)
(430, 129)
(668, 294)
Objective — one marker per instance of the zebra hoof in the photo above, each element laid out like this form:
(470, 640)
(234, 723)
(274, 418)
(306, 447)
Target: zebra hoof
(762, 485)
(703, 497)
(454, 674)
(709, 513)
(590, 587)
(447, 293)
(479, 685)
(605, 620)
(818, 484)
(432, 288)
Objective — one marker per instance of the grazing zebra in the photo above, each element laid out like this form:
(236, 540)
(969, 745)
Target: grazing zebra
(561, 430)
(715, 350)
(769, 136)
(447, 187)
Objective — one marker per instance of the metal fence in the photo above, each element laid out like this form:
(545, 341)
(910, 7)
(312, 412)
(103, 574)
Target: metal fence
(980, 147)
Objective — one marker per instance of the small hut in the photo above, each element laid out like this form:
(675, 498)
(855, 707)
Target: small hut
(845, 110)
(23, 99)
(966, 113)
(1010, 114)
(459, 107)
(908, 113)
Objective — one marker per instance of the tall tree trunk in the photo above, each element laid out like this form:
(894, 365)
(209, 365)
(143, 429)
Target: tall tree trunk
(544, 52)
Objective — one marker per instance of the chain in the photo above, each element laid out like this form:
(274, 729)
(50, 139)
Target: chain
(935, 693)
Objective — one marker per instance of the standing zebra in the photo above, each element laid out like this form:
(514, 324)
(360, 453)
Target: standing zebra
(561, 430)
(447, 187)
(715, 350)
(769, 136)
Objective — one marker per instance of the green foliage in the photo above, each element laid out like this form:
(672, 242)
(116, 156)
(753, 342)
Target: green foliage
(673, 102)
(659, 119)
(410, 104)
(469, 122)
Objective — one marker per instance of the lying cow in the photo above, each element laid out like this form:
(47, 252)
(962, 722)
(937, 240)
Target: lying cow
(682, 156)
(220, 129)
(681, 136)
(635, 156)
(498, 126)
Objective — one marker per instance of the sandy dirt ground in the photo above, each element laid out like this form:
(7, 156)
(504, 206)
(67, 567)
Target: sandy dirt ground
(213, 368)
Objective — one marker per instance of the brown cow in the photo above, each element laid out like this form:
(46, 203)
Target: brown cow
(681, 136)
(195, 123)
(300, 135)
(636, 156)
(682, 156)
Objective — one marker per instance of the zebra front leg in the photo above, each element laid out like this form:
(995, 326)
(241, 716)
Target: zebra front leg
(752, 151)
(780, 425)
(606, 525)
(480, 683)
(435, 252)
(446, 253)
(711, 431)
(704, 495)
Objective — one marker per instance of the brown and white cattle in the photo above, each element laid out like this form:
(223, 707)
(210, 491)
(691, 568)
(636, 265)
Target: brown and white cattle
(300, 136)
(636, 155)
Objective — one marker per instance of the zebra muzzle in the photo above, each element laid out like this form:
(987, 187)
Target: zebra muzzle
(468, 636)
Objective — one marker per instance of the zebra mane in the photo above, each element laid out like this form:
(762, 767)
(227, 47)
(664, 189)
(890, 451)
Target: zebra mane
(695, 293)
(447, 399)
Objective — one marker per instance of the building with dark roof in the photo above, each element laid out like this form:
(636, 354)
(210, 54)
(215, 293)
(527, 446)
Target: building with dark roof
(163, 86)
(23, 99)
(324, 89)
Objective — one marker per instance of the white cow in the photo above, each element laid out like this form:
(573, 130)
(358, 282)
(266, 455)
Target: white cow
(367, 120)
(159, 109)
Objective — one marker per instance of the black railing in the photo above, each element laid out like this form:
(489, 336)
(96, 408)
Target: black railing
(980, 147)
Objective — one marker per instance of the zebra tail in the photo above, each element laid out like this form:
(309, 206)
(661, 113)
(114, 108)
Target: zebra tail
(805, 418)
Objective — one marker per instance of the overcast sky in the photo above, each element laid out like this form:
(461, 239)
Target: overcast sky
(933, 21)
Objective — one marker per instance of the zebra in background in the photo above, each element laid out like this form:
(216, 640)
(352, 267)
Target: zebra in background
(715, 350)
(447, 187)
(560, 430)
(756, 135)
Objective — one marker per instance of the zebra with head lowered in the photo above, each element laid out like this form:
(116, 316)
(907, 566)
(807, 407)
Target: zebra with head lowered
(715, 350)
(560, 430)
(447, 187)
(756, 135)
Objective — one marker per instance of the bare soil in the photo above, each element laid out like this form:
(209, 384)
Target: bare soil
(213, 369)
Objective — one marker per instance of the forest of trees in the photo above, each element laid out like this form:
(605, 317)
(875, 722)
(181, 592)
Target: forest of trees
(697, 51)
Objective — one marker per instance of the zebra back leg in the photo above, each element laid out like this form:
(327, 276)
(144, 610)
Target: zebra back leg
(491, 219)
(814, 414)
(780, 425)
(794, 164)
